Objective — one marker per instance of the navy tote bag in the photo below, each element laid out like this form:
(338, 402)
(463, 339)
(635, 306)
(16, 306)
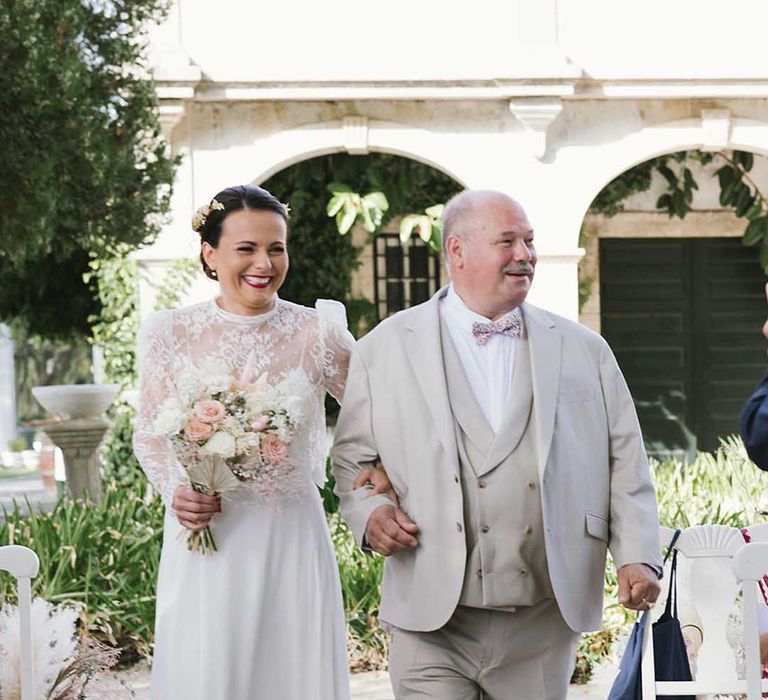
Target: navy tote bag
(670, 658)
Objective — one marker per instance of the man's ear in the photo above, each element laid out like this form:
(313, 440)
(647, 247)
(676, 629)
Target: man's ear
(454, 247)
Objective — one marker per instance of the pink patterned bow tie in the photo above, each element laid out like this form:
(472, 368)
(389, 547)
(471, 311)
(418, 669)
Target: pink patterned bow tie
(512, 326)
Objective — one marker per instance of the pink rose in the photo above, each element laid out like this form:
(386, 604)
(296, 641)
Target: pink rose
(210, 411)
(273, 449)
(196, 430)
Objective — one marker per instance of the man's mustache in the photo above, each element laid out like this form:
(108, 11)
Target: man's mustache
(519, 269)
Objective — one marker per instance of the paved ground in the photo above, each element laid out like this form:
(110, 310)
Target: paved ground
(134, 683)
(21, 489)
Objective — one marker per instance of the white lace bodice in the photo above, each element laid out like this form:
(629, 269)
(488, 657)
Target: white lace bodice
(308, 348)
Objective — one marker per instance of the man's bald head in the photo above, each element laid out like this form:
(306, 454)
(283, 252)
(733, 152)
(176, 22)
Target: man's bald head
(489, 251)
(459, 211)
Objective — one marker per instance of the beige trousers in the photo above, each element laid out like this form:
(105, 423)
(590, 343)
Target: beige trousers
(528, 654)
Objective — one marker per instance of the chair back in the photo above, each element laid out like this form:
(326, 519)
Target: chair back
(707, 590)
(750, 564)
(22, 563)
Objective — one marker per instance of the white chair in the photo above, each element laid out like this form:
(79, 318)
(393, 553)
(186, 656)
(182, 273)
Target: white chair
(749, 566)
(706, 589)
(23, 564)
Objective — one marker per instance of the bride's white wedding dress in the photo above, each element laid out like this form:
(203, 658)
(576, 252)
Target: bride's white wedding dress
(262, 617)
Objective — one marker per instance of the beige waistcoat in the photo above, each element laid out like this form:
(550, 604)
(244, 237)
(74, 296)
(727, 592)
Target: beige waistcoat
(506, 559)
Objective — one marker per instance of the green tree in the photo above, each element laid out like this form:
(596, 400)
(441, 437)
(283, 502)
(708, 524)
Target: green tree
(85, 170)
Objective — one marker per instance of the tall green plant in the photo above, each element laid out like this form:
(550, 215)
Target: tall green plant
(101, 557)
(360, 576)
(115, 327)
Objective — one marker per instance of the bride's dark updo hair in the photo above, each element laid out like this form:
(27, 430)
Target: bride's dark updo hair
(209, 218)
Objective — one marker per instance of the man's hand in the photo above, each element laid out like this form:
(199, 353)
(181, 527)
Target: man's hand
(390, 530)
(376, 480)
(194, 510)
(638, 586)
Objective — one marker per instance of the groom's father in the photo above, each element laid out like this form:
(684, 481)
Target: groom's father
(512, 442)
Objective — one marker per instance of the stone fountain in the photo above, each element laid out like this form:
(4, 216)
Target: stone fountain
(78, 429)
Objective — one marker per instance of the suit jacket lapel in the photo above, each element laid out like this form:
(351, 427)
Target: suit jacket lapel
(424, 350)
(545, 345)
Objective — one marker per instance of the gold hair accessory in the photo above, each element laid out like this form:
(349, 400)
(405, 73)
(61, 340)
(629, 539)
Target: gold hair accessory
(286, 208)
(202, 214)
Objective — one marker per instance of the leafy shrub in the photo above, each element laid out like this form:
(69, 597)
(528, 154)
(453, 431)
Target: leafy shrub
(360, 576)
(119, 464)
(102, 557)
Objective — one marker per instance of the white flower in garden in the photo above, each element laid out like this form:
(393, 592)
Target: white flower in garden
(221, 444)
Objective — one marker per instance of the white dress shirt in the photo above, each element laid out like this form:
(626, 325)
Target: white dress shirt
(488, 367)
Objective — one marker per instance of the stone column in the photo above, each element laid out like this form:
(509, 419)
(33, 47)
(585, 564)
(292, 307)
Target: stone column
(79, 440)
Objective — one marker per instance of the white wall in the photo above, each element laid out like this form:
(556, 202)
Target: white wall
(547, 100)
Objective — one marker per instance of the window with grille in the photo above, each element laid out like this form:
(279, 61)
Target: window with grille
(404, 275)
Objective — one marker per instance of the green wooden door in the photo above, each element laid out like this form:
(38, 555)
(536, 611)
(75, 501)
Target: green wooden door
(683, 317)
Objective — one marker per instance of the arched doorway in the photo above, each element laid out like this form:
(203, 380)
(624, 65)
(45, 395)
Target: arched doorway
(375, 275)
(681, 302)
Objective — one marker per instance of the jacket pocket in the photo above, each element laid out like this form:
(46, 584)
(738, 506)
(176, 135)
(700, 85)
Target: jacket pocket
(577, 394)
(597, 526)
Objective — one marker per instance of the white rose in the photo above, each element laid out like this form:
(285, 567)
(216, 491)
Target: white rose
(222, 444)
(217, 383)
(232, 426)
(248, 443)
(170, 421)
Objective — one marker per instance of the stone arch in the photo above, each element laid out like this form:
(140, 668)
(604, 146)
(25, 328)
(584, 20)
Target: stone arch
(682, 283)
(584, 171)
(280, 150)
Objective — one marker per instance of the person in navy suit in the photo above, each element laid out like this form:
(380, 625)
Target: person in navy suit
(754, 419)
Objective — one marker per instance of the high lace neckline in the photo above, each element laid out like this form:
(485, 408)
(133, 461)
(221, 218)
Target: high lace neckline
(244, 319)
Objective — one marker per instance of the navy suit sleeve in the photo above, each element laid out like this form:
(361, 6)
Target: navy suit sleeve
(754, 425)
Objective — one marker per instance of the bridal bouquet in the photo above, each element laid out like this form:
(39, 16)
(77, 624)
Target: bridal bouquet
(231, 431)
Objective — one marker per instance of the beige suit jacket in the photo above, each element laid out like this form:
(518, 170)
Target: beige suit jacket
(595, 486)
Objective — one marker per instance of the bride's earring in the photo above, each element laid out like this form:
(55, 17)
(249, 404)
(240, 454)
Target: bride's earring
(214, 274)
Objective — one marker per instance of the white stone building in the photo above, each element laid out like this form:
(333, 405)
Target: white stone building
(547, 100)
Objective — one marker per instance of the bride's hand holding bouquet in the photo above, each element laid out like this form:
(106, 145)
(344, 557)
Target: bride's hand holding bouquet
(228, 433)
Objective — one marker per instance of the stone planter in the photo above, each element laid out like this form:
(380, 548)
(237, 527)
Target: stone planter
(78, 430)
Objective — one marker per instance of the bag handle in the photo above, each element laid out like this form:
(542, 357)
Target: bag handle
(670, 548)
(672, 543)
(670, 609)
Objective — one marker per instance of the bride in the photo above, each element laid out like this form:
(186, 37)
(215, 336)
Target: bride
(262, 617)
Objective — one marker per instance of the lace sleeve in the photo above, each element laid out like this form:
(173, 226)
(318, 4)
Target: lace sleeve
(152, 449)
(336, 344)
